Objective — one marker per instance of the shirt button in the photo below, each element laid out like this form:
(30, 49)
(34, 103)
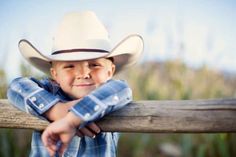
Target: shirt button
(87, 115)
(103, 113)
(33, 99)
(96, 108)
(41, 106)
(115, 98)
(19, 91)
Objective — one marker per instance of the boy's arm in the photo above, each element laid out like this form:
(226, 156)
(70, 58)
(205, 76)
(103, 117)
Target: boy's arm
(29, 95)
(107, 98)
(58, 134)
(92, 107)
(23, 91)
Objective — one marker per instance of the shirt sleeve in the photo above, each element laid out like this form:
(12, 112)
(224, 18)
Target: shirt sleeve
(30, 96)
(109, 97)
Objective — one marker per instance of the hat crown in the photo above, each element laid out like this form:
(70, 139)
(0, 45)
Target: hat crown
(81, 30)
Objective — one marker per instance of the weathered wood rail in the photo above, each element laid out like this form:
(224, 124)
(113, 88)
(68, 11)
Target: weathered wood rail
(189, 116)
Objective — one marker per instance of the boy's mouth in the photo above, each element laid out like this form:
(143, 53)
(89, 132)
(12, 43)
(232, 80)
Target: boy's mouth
(84, 84)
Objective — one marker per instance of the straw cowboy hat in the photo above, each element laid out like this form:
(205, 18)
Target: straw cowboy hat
(82, 36)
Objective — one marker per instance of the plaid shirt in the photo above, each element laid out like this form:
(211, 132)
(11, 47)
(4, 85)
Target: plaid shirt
(36, 97)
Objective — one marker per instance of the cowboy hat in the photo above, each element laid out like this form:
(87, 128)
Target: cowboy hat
(81, 36)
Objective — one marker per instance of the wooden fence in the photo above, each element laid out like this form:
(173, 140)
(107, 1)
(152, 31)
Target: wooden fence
(188, 116)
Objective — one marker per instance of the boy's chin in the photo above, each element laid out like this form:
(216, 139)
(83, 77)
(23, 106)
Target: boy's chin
(79, 95)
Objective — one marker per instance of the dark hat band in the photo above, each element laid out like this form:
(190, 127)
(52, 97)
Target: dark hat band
(80, 50)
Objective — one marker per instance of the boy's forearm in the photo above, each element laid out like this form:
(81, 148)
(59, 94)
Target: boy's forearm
(36, 100)
(59, 110)
(73, 120)
(28, 96)
(109, 97)
(56, 112)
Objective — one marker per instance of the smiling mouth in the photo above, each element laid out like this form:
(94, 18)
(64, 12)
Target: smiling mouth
(84, 85)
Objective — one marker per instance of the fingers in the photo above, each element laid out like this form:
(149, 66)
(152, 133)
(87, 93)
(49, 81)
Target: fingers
(54, 144)
(90, 130)
(50, 142)
(86, 132)
(79, 133)
(94, 128)
(62, 148)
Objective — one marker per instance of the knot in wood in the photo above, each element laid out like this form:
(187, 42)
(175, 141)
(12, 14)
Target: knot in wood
(150, 119)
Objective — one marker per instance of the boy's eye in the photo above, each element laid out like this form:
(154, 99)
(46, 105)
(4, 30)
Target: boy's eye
(94, 65)
(68, 66)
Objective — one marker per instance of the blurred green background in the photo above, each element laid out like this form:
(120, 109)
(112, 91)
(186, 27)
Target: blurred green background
(169, 80)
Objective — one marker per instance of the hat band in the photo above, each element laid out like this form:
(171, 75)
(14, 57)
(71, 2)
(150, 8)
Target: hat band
(80, 50)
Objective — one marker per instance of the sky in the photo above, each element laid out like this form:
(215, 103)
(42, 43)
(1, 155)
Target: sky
(199, 32)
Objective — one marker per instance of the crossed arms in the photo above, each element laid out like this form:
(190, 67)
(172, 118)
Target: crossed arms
(42, 99)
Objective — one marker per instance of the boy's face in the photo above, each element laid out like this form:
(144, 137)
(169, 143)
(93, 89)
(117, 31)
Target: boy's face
(79, 78)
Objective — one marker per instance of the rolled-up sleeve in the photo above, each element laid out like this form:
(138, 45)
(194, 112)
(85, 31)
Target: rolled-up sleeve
(109, 97)
(28, 96)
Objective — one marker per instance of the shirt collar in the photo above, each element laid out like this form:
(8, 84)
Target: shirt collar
(55, 86)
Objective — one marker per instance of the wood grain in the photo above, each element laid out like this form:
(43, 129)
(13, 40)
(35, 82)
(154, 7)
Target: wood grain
(187, 116)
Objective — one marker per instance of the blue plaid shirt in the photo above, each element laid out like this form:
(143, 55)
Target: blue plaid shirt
(36, 97)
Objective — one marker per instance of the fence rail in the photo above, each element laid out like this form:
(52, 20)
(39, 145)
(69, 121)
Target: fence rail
(188, 116)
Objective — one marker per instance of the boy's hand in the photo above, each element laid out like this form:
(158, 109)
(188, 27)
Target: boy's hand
(90, 130)
(62, 131)
(60, 110)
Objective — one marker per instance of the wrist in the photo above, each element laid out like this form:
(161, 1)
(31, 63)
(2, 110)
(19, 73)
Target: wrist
(59, 110)
(55, 112)
(73, 120)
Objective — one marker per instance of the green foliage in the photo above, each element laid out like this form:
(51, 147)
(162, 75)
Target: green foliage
(14, 142)
(3, 85)
(174, 80)
(28, 71)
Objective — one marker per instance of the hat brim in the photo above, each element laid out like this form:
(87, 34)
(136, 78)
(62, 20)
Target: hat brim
(124, 54)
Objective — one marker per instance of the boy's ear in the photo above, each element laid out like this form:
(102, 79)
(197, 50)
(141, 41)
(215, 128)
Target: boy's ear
(53, 73)
(112, 70)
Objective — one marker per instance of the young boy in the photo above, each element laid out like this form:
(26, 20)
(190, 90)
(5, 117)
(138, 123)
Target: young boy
(82, 65)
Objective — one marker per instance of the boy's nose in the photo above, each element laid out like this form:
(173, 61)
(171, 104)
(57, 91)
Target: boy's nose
(83, 72)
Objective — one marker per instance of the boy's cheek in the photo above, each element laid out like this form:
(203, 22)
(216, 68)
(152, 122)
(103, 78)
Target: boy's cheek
(101, 80)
